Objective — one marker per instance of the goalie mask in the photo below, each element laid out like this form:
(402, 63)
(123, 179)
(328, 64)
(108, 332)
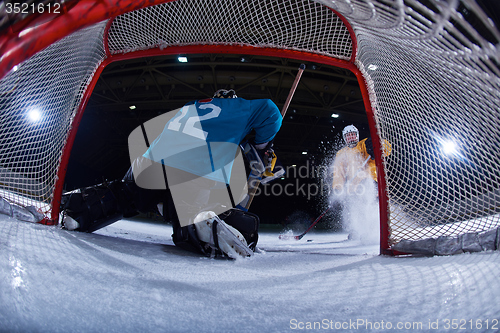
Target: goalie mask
(351, 136)
(223, 93)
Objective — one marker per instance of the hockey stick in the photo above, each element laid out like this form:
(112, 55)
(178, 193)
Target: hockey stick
(254, 183)
(292, 90)
(298, 237)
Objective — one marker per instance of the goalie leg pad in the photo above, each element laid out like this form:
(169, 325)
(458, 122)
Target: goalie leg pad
(186, 238)
(220, 236)
(245, 222)
(98, 206)
(91, 207)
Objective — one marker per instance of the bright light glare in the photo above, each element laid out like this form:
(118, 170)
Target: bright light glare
(34, 115)
(182, 59)
(449, 147)
(335, 115)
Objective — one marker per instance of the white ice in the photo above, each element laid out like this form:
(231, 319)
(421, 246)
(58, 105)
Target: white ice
(129, 277)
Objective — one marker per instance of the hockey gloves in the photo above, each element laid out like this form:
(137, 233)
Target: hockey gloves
(263, 162)
(369, 148)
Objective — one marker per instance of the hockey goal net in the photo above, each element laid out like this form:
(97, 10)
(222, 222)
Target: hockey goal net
(429, 72)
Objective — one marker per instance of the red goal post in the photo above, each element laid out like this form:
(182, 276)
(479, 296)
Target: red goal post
(421, 68)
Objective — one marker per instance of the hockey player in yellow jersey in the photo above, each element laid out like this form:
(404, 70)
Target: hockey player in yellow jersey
(354, 186)
(353, 164)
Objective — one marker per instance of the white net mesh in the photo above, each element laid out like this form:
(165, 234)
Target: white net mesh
(293, 25)
(431, 68)
(435, 86)
(38, 101)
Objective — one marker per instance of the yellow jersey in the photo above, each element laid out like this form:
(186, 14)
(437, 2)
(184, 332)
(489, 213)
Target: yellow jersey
(351, 165)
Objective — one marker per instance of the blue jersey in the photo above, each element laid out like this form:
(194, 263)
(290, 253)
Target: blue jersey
(204, 136)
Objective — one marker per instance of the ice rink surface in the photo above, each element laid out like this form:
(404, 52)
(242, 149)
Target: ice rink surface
(129, 277)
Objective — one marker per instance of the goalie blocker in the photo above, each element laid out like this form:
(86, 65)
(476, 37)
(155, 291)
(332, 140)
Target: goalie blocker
(264, 163)
(264, 168)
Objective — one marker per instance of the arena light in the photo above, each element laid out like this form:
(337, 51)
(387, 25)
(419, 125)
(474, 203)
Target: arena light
(34, 114)
(335, 115)
(449, 147)
(182, 59)
(132, 107)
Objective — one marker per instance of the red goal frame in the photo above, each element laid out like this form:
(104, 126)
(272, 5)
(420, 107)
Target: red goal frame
(27, 37)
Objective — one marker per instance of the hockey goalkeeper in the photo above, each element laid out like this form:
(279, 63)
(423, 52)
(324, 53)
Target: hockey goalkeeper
(188, 164)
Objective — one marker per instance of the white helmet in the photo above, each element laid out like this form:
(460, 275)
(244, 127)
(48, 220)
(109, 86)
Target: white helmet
(351, 135)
